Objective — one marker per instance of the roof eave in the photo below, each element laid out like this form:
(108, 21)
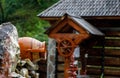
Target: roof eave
(49, 18)
(85, 17)
(101, 17)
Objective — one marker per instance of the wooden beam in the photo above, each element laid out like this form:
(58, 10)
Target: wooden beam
(50, 18)
(108, 71)
(101, 17)
(108, 61)
(108, 52)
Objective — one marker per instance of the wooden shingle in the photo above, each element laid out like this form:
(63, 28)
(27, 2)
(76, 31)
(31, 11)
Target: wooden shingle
(83, 8)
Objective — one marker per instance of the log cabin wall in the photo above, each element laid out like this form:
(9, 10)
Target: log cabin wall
(111, 46)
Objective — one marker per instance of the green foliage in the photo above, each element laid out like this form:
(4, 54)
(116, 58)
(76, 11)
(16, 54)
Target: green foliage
(23, 14)
(7, 7)
(34, 29)
(39, 34)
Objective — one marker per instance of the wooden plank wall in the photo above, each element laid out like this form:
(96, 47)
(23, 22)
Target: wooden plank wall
(111, 58)
(42, 68)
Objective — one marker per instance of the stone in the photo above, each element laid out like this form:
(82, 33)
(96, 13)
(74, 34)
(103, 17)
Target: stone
(9, 49)
(51, 58)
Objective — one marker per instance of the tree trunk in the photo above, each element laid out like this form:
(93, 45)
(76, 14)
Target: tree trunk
(2, 13)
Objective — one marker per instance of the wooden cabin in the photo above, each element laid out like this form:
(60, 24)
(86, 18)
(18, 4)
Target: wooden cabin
(103, 52)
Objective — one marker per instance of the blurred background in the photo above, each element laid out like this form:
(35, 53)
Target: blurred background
(23, 14)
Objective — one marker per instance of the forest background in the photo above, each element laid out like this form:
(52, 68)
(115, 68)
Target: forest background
(23, 14)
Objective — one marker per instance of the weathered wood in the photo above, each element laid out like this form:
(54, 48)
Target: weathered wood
(98, 76)
(83, 61)
(112, 42)
(93, 71)
(60, 68)
(113, 33)
(110, 26)
(112, 52)
(102, 17)
(59, 26)
(60, 75)
(77, 27)
(108, 71)
(112, 61)
(60, 59)
(108, 52)
(42, 75)
(108, 61)
(112, 72)
(101, 23)
(42, 68)
(94, 52)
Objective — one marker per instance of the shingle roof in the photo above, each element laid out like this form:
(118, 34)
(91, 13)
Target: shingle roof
(87, 26)
(82, 23)
(83, 8)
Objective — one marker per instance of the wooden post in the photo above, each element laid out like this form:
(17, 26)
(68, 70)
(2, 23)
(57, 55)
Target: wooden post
(66, 67)
(83, 61)
(103, 56)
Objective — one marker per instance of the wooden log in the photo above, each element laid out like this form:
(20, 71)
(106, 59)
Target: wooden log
(108, 71)
(108, 52)
(109, 61)
(94, 52)
(42, 66)
(111, 77)
(112, 42)
(113, 34)
(98, 76)
(112, 71)
(60, 68)
(42, 75)
(94, 61)
(93, 71)
(60, 75)
(61, 59)
(112, 52)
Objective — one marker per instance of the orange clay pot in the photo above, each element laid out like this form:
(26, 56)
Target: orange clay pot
(29, 45)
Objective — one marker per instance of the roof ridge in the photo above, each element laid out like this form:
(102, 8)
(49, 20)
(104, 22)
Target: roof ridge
(50, 7)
